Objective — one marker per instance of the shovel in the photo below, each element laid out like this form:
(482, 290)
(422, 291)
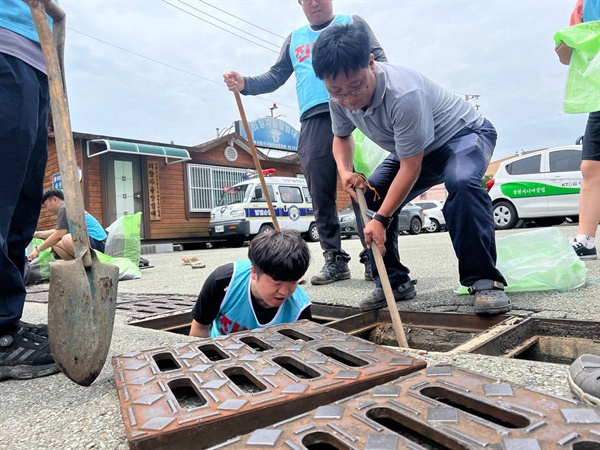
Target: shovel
(83, 292)
(385, 281)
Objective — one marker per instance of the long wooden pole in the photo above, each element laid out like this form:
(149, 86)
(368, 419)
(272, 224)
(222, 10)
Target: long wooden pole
(238, 100)
(385, 281)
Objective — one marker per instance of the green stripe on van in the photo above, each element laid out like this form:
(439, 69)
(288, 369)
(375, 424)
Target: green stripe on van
(526, 189)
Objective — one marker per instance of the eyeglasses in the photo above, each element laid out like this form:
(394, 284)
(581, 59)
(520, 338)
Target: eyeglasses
(355, 93)
(308, 2)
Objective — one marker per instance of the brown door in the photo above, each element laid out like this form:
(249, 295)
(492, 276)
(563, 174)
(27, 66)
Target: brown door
(125, 195)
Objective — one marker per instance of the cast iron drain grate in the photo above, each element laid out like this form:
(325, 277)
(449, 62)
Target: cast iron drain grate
(442, 407)
(203, 393)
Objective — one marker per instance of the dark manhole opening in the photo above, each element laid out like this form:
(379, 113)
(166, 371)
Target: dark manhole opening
(323, 441)
(416, 431)
(586, 445)
(185, 393)
(213, 352)
(559, 350)
(430, 339)
(295, 335)
(242, 379)
(343, 357)
(295, 367)
(475, 407)
(256, 344)
(166, 362)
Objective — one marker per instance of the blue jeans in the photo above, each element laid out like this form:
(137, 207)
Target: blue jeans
(460, 164)
(24, 100)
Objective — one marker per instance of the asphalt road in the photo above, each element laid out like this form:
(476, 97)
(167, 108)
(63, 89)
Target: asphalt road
(430, 258)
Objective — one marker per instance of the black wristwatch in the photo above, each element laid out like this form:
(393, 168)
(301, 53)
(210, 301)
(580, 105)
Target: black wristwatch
(385, 221)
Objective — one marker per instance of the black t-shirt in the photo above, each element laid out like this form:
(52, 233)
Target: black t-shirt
(213, 292)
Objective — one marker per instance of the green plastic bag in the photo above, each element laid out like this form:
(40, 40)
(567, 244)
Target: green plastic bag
(537, 261)
(127, 269)
(39, 268)
(582, 94)
(124, 238)
(367, 154)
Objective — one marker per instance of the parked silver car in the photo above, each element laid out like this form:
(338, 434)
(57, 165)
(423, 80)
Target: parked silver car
(433, 209)
(411, 218)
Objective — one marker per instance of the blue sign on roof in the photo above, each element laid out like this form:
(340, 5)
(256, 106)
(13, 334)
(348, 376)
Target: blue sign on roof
(269, 132)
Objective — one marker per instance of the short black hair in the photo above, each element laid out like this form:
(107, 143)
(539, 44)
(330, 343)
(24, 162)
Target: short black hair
(341, 47)
(283, 255)
(52, 192)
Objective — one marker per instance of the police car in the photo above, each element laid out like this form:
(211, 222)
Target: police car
(243, 211)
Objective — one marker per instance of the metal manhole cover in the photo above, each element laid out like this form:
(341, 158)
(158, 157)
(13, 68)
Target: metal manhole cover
(222, 392)
(466, 416)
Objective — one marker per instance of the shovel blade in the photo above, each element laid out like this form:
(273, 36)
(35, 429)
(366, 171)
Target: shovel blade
(81, 313)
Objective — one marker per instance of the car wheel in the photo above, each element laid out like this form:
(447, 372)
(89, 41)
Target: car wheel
(548, 221)
(505, 216)
(236, 241)
(266, 228)
(434, 227)
(415, 225)
(312, 234)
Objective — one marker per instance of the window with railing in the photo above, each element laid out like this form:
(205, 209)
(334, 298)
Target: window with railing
(206, 185)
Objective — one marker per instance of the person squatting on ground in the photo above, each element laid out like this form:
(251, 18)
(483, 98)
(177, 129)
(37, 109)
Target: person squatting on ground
(24, 101)
(263, 291)
(314, 147)
(60, 239)
(589, 205)
(434, 136)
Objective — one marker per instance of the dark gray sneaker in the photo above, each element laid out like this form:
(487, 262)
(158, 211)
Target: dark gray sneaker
(376, 299)
(25, 354)
(335, 269)
(584, 379)
(364, 259)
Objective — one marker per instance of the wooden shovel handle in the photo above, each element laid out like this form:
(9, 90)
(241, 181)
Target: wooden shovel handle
(65, 148)
(385, 281)
(238, 100)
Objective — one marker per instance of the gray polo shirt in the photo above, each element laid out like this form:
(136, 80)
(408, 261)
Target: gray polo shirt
(409, 114)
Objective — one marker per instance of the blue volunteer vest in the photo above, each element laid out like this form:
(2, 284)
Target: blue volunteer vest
(15, 16)
(311, 91)
(591, 10)
(237, 314)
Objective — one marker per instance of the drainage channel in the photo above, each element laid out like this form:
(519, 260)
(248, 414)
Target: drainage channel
(536, 339)
(195, 395)
(441, 408)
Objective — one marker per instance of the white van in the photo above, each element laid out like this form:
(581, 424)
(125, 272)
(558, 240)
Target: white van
(243, 211)
(542, 185)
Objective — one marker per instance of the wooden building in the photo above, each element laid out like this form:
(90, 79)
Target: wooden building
(174, 187)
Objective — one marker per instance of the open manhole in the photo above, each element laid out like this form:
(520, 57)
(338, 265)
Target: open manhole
(439, 332)
(547, 340)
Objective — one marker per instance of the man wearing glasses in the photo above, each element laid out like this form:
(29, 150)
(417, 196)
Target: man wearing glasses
(316, 137)
(434, 136)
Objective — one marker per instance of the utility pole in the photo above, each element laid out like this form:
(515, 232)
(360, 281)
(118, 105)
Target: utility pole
(273, 108)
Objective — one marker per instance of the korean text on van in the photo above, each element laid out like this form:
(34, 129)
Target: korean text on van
(542, 185)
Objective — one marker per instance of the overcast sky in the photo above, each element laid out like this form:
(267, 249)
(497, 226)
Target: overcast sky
(500, 50)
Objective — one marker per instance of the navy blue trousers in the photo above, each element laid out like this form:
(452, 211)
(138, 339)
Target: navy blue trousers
(24, 100)
(460, 164)
(320, 171)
